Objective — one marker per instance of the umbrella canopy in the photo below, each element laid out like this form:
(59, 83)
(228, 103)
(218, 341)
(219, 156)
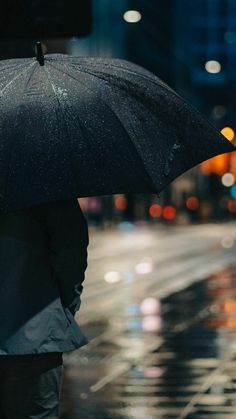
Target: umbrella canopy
(82, 126)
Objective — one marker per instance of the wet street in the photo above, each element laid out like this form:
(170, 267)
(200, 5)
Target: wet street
(159, 309)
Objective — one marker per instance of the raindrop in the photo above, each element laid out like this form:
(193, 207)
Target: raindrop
(83, 395)
(176, 146)
(167, 168)
(170, 159)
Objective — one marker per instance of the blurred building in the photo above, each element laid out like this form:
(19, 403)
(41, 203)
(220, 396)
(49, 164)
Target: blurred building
(107, 38)
(205, 40)
(191, 45)
(149, 41)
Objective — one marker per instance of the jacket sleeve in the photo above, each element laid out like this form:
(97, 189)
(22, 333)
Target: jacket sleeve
(67, 231)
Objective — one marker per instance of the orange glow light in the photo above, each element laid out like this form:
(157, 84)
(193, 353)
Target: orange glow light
(120, 203)
(230, 306)
(228, 133)
(233, 163)
(232, 205)
(155, 210)
(218, 165)
(169, 213)
(192, 203)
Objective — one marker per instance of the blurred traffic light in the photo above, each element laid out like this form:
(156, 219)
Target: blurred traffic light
(45, 18)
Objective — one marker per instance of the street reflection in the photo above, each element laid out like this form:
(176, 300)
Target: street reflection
(223, 288)
(167, 352)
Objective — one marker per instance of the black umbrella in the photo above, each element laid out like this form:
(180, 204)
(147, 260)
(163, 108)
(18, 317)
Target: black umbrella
(76, 127)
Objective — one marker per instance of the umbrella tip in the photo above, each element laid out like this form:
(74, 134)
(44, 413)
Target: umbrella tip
(39, 53)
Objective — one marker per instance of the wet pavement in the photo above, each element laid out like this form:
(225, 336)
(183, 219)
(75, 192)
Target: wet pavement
(171, 354)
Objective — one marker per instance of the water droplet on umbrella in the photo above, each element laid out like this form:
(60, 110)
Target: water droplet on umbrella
(167, 168)
(170, 159)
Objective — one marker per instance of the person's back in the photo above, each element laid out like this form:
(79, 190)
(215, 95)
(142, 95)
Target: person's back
(43, 258)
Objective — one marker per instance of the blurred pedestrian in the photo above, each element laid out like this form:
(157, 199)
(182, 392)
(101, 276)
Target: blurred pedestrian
(43, 258)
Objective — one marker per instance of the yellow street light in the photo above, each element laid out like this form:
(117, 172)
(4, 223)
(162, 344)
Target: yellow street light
(228, 133)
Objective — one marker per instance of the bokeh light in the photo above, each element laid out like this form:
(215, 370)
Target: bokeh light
(227, 242)
(230, 37)
(169, 213)
(213, 66)
(218, 112)
(155, 211)
(153, 371)
(232, 205)
(152, 323)
(228, 133)
(144, 267)
(120, 202)
(233, 191)
(230, 305)
(132, 16)
(192, 203)
(112, 276)
(227, 179)
(150, 305)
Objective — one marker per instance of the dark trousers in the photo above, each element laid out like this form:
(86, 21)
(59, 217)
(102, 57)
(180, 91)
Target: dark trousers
(30, 386)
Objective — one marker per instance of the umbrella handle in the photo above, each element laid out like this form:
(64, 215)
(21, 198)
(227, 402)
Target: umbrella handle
(39, 53)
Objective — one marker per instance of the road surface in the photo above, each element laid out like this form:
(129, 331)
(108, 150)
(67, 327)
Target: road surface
(145, 288)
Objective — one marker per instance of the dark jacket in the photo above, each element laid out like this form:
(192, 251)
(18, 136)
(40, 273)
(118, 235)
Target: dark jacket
(43, 258)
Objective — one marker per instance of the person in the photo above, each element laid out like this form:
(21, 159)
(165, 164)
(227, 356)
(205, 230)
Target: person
(43, 258)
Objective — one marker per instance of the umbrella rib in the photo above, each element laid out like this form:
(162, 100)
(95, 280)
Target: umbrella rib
(15, 122)
(184, 101)
(146, 76)
(100, 78)
(75, 78)
(119, 121)
(128, 70)
(14, 78)
(65, 110)
(53, 87)
(57, 116)
(12, 66)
